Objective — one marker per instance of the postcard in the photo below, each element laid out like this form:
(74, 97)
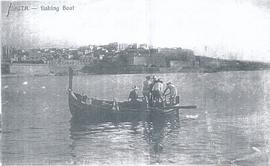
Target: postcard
(135, 82)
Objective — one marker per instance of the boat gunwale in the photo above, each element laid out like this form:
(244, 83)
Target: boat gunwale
(123, 109)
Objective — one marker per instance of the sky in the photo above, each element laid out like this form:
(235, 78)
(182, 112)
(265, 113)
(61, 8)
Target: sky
(237, 29)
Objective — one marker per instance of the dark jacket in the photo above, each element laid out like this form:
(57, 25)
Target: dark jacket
(133, 95)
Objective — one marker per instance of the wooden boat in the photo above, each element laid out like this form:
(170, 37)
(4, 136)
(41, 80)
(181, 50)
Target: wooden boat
(82, 107)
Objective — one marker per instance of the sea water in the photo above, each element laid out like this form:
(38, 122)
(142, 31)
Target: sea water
(230, 126)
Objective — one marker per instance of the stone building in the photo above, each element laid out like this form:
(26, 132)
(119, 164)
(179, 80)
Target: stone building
(152, 61)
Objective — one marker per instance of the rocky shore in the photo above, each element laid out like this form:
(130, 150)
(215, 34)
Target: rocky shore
(201, 65)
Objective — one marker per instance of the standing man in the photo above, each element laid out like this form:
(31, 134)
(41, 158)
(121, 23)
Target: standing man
(146, 88)
(153, 82)
(157, 91)
(151, 97)
(172, 92)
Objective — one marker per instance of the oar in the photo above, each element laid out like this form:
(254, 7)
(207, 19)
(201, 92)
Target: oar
(188, 107)
(183, 107)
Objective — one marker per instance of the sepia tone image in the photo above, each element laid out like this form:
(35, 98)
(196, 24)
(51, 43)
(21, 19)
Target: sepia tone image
(135, 82)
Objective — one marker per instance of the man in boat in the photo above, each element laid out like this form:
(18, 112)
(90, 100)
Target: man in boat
(146, 88)
(133, 95)
(155, 79)
(157, 91)
(172, 92)
(151, 97)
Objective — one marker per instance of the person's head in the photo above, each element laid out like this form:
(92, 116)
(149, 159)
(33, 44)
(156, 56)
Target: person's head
(160, 80)
(154, 78)
(148, 77)
(135, 88)
(169, 83)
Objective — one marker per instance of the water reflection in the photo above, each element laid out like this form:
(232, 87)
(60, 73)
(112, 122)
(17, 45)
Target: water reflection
(163, 140)
(155, 132)
(149, 137)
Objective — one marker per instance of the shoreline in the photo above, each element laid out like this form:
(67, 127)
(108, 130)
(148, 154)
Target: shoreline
(78, 73)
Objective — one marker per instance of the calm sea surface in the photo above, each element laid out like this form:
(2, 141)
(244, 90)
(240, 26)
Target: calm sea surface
(231, 125)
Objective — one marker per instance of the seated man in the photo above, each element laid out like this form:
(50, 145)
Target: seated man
(133, 95)
(172, 92)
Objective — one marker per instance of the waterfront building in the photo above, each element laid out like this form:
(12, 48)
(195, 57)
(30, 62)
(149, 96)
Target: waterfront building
(113, 46)
(5, 59)
(133, 46)
(152, 61)
(122, 46)
(143, 46)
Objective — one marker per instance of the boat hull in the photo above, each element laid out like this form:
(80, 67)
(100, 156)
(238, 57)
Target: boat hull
(94, 112)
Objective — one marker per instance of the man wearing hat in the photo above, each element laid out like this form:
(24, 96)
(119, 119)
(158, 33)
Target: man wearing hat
(151, 97)
(172, 92)
(157, 90)
(133, 95)
(146, 88)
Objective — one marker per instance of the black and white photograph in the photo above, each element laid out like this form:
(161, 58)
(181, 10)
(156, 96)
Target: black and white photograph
(135, 82)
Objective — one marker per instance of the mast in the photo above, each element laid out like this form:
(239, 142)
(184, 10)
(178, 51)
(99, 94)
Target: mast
(70, 76)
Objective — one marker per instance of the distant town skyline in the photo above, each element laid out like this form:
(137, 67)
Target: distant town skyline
(221, 28)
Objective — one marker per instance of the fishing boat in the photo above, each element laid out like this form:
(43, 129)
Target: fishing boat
(82, 107)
